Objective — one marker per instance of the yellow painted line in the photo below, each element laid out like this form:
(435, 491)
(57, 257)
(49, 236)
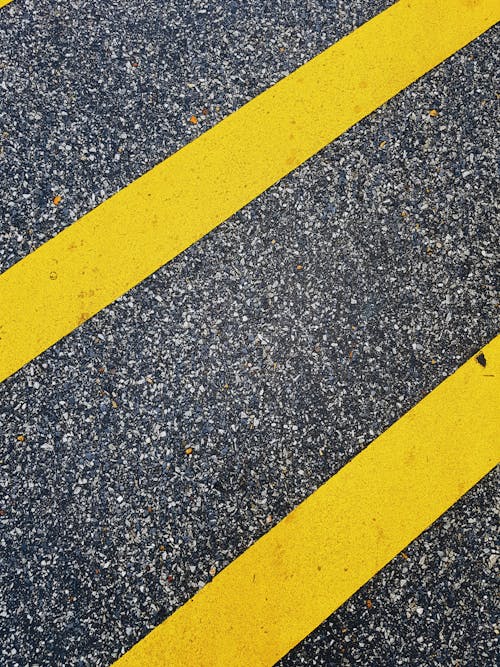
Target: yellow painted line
(4, 2)
(108, 251)
(287, 583)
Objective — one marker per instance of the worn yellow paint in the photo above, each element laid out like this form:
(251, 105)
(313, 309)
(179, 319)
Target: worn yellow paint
(105, 253)
(4, 2)
(289, 581)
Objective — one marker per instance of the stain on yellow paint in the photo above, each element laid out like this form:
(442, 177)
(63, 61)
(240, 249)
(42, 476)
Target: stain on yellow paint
(108, 251)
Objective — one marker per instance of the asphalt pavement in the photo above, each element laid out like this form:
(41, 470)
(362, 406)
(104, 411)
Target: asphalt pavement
(153, 445)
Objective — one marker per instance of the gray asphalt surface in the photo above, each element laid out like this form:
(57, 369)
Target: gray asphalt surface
(274, 376)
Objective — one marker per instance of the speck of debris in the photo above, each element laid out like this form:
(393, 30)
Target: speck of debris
(481, 360)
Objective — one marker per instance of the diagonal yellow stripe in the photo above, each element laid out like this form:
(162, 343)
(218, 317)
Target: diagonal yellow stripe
(105, 253)
(289, 581)
(4, 2)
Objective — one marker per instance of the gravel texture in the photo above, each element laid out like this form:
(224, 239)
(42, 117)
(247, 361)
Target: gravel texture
(433, 605)
(273, 375)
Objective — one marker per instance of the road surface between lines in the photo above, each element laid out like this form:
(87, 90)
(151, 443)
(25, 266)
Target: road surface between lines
(108, 251)
(287, 583)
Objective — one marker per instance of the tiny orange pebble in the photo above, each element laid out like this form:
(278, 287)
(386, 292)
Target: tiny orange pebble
(57, 200)
(204, 111)
(20, 438)
(369, 604)
(299, 267)
(433, 113)
(405, 556)
(193, 120)
(382, 144)
(189, 451)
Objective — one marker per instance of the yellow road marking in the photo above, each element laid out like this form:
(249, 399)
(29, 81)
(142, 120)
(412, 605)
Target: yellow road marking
(289, 581)
(4, 2)
(108, 251)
